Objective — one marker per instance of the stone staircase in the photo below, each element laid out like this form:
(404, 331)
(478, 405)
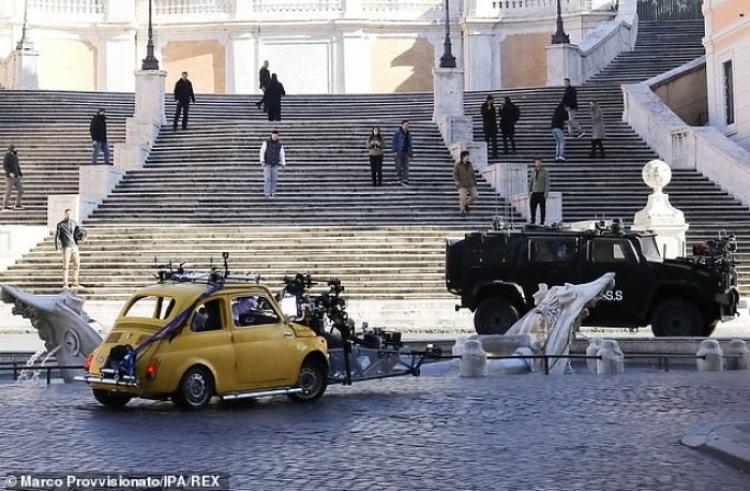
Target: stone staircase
(200, 194)
(51, 133)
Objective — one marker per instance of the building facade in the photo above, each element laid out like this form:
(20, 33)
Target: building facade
(727, 43)
(315, 46)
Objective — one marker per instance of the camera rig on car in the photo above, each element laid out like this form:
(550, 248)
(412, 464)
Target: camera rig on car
(717, 253)
(354, 355)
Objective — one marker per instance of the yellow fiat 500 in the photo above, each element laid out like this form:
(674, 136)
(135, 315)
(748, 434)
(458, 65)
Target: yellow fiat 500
(190, 341)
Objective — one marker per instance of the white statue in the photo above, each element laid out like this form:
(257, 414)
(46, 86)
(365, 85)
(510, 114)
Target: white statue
(62, 324)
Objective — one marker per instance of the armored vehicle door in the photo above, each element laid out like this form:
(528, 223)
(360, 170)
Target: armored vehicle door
(551, 260)
(622, 304)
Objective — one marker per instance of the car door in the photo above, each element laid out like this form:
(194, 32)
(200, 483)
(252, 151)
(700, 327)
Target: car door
(207, 339)
(550, 260)
(264, 345)
(615, 255)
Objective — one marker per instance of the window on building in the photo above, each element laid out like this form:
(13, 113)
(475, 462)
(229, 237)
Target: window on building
(728, 92)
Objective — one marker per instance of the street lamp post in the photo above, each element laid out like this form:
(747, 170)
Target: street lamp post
(559, 37)
(447, 60)
(24, 43)
(150, 62)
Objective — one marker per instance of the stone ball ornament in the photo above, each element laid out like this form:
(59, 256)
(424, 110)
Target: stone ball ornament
(657, 174)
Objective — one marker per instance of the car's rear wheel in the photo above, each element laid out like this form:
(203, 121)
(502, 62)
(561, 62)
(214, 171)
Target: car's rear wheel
(111, 399)
(313, 380)
(677, 317)
(495, 316)
(195, 390)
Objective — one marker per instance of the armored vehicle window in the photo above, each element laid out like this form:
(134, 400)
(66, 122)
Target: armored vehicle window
(151, 307)
(611, 251)
(551, 250)
(650, 249)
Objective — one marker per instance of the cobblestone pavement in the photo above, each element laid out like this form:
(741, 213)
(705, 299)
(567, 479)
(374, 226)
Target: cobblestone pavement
(534, 432)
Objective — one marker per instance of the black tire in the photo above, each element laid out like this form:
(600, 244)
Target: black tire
(195, 390)
(495, 316)
(111, 399)
(677, 317)
(313, 380)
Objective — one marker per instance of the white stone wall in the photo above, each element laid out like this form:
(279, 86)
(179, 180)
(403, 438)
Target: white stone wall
(728, 39)
(326, 46)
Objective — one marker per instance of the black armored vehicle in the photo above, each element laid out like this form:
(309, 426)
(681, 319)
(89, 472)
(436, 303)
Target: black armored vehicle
(496, 273)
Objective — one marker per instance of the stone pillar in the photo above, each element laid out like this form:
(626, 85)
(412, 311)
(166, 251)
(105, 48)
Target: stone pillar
(25, 67)
(117, 58)
(482, 55)
(554, 206)
(595, 344)
(449, 93)
(737, 355)
(95, 182)
(507, 179)
(474, 360)
(142, 129)
(612, 361)
(712, 356)
(357, 66)
(563, 61)
(659, 215)
(241, 76)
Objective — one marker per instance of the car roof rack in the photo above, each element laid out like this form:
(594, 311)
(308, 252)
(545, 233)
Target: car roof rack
(167, 273)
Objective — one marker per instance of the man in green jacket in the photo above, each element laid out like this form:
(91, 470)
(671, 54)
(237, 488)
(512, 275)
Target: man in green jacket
(466, 182)
(538, 190)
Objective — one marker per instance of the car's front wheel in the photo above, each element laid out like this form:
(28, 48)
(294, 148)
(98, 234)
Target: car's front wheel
(313, 380)
(111, 399)
(195, 390)
(495, 315)
(677, 317)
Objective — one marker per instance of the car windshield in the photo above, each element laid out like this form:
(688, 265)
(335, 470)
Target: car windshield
(650, 249)
(151, 307)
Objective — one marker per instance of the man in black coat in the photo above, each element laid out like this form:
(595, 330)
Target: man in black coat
(509, 116)
(13, 178)
(264, 76)
(274, 92)
(570, 101)
(183, 94)
(98, 132)
(489, 124)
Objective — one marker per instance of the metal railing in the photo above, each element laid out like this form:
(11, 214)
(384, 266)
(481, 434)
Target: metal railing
(670, 9)
(17, 368)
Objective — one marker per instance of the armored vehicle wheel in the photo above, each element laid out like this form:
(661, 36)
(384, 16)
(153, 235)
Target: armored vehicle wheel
(495, 316)
(111, 399)
(313, 381)
(195, 390)
(710, 329)
(677, 317)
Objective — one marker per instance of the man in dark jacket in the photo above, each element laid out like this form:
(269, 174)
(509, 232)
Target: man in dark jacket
(65, 240)
(489, 124)
(264, 76)
(509, 116)
(183, 94)
(570, 101)
(274, 92)
(466, 183)
(98, 130)
(272, 156)
(13, 178)
(402, 151)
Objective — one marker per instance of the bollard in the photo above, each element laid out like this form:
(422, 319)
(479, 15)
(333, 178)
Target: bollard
(593, 350)
(458, 347)
(712, 358)
(474, 360)
(737, 356)
(612, 361)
